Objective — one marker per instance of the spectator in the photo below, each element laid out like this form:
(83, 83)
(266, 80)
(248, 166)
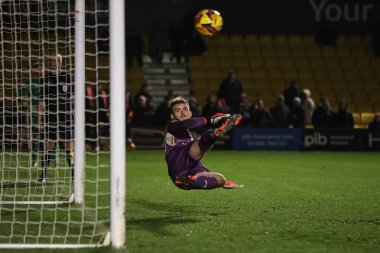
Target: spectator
(143, 113)
(29, 97)
(177, 40)
(297, 114)
(129, 103)
(322, 115)
(134, 49)
(243, 109)
(194, 107)
(307, 104)
(259, 116)
(194, 44)
(157, 40)
(144, 91)
(163, 112)
(90, 117)
(211, 106)
(290, 93)
(103, 117)
(223, 106)
(280, 113)
(375, 123)
(231, 89)
(343, 118)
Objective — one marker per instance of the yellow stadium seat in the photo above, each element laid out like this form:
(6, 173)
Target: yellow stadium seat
(271, 60)
(266, 39)
(364, 107)
(295, 40)
(328, 51)
(284, 50)
(313, 51)
(358, 51)
(298, 51)
(236, 40)
(332, 61)
(354, 40)
(357, 118)
(367, 117)
(195, 60)
(363, 62)
(221, 39)
(281, 39)
(268, 50)
(308, 39)
(254, 51)
(343, 51)
(251, 40)
(241, 61)
(347, 62)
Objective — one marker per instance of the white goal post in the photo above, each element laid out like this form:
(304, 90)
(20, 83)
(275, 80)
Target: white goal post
(62, 124)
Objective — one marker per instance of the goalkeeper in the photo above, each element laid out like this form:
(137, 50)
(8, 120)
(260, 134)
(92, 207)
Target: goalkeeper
(29, 97)
(184, 154)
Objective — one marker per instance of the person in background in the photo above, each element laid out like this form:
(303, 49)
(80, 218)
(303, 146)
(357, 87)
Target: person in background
(307, 104)
(243, 109)
(134, 49)
(129, 103)
(342, 118)
(104, 117)
(230, 90)
(260, 117)
(144, 91)
(194, 107)
(280, 113)
(57, 102)
(29, 97)
(163, 112)
(323, 114)
(375, 123)
(290, 93)
(297, 114)
(91, 121)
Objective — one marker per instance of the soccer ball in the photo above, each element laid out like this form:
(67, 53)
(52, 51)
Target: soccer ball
(208, 22)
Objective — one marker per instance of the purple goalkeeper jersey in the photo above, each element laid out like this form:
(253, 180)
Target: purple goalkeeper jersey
(178, 140)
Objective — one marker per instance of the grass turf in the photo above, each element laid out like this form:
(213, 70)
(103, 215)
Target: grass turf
(292, 202)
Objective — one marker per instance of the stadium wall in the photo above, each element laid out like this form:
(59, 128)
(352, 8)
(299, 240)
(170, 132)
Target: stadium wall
(261, 17)
(277, 139)
(306, 139)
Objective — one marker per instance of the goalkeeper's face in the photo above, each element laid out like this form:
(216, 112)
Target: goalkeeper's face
(181, 112)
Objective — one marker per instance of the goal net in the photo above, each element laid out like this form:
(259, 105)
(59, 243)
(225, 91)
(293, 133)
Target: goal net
(55, 123)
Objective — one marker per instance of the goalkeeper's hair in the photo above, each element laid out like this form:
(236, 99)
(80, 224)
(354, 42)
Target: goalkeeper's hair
(178, 100)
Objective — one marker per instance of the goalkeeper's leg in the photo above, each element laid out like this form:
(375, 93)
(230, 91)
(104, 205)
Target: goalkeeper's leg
(207, 140)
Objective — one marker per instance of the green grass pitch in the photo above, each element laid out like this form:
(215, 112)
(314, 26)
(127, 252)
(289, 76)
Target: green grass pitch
(292, 202)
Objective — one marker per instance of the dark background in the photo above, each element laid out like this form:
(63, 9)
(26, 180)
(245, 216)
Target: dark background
(259, 17)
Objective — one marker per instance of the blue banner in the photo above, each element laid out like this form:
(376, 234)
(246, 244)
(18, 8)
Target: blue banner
(267, 139)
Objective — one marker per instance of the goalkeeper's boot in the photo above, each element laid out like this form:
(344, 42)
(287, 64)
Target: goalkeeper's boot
(232, 185)
(228, 125)
(185, 182)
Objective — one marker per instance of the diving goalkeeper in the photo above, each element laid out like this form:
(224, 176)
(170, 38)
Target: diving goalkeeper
(184, 154)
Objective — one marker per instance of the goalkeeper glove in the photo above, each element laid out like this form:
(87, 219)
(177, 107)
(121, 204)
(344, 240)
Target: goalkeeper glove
(217, 118)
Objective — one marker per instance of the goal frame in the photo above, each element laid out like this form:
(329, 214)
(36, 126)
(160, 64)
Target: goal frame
(116, 233)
